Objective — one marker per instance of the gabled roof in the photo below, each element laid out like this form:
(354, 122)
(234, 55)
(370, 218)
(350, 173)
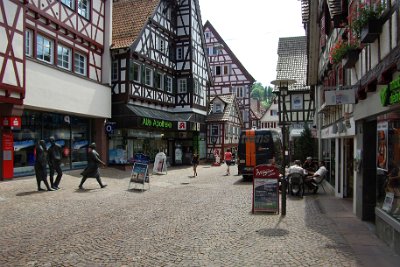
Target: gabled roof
(292, 61)
(129, 18)
(230, 101)
(229, 51)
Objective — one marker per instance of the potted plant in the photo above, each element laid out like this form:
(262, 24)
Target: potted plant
(345, 52)
(365, 21)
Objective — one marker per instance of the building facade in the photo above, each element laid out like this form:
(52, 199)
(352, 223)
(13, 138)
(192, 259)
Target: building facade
(354, 65)
(229, 75)
(54, 78)
(224, 123)
(160, 81)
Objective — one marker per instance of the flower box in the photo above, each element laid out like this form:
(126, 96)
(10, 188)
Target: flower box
(350, 58)
(370, 31)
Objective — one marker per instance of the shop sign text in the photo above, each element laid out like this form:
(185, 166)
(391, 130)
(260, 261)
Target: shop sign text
(156, 123)
(391, 94)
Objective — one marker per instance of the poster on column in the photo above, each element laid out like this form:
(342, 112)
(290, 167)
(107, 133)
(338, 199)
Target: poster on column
(382, 144)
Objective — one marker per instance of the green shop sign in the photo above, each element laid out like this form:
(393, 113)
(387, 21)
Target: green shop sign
(156, 123)
(390, 94)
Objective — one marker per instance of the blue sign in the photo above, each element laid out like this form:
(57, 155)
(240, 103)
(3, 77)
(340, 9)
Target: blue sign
(110, 127)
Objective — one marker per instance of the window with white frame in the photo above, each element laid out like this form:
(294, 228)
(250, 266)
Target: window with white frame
(84, 8)
(179, 53)
(161, 44)
(207, 34)
(134, 72)
(196, 87)
(68, 3)
(28, 42)
(159, 80)
(64, 57)
(182, 86)
(44, 49)
(239, 91)
(114, 70)
(80, 63)
(218, 108)
(210, 50)
(148, 76)
(168, 84)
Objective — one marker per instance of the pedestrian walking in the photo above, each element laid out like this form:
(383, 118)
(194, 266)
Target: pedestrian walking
(195, 162)
(92, 169)
(228, 161)
(54, 159)
(41, 165)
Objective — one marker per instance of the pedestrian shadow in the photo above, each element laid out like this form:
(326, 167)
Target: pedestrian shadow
(23, 194)
(84, 190)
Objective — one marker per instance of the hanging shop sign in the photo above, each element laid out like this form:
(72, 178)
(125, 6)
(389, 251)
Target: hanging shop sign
(390, 94)
(109, 127)
(182, 125)
(340, 97)
(156, 123)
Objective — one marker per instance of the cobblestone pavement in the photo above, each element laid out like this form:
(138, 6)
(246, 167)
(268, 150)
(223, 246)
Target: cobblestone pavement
(181, 221)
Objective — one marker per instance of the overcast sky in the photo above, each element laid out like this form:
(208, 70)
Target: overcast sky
(252, 29)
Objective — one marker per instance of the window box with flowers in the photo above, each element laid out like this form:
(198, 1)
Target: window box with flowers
(366, 23)
(344, 52)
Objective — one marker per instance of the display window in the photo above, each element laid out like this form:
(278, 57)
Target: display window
(122, 149)
(388, 163)
(71, 134)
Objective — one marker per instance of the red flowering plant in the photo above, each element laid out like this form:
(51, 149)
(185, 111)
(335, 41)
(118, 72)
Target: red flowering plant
(341, 48)
(364, 12)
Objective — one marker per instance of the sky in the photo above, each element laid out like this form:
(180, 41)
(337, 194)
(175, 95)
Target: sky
(252, 29)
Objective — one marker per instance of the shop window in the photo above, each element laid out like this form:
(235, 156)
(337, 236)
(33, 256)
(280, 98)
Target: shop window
(388, 165)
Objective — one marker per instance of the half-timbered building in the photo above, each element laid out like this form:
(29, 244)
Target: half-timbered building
(256, 112)
(223, 125)
(354, 59)
(296, 110)
(270, 118)
(229, 75)
(160, 80)
(54, 70)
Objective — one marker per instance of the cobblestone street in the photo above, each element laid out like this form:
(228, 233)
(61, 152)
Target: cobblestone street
(181, 221)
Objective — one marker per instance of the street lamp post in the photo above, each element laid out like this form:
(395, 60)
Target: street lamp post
(283, 91)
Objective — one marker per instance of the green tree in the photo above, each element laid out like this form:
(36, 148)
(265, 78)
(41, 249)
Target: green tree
(305, 145)
(257, 91)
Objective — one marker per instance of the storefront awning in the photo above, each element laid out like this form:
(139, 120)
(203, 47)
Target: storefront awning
(151, 113)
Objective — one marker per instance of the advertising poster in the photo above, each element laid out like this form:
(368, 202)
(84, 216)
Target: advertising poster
(139, 173)
(266, 194)
(382, 143)
(266, 188)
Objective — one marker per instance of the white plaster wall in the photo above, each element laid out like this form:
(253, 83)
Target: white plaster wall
(53, 90)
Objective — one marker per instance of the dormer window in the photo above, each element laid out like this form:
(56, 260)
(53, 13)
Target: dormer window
(218, 108)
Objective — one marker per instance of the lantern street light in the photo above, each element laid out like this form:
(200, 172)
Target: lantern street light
(283, 91)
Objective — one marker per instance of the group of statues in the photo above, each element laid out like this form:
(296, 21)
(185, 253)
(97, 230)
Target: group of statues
(52, 156)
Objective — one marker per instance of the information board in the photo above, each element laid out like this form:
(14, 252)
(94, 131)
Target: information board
(139, 174)
(266, 188)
